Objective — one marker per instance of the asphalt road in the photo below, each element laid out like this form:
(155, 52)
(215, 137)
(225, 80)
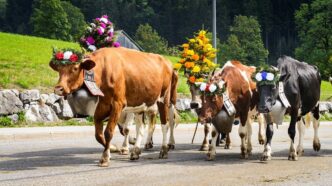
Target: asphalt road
(71, 159)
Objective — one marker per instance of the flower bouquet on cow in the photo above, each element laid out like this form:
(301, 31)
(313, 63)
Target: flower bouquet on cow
(196, 58)
(99, 34)
(66, 56)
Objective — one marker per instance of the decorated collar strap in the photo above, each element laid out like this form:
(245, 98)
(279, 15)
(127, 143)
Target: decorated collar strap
(266, 78)
(66, 56)
(212, 88)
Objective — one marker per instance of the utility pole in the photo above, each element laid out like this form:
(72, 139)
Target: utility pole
(214, 26)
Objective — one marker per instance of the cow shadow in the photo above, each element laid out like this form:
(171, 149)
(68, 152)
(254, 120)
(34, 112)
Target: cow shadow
(183, 155)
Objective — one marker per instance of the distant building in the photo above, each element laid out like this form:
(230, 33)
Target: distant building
(126, 41)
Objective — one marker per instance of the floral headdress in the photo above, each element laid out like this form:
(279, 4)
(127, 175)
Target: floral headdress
(99, 34)
(197, 58)
(212, 88)
(66, 56)
(266, 76)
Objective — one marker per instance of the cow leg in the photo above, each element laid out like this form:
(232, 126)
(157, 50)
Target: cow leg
(163, 111)
(129, 117)
(171, 142)
(152, 126)
(292, 132)
(205, 144)
(249, 133)
(243, 135)
(109, 132)
(228, 144)
(269, 134)
(316, 143)
(211, 155)
(261, 124)
(136, 151)
(301, 129)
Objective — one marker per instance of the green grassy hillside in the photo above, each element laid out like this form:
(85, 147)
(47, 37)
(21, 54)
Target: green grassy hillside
(24, 62)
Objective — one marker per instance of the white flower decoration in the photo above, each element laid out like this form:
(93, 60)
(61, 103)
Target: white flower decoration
(104, 20)
(270, 76)
(92, 47)
(89, 29)
(111, 30)
(259, 77)
(202, 87)
(212, 88)
(67, 54)
(221, 84)
(93, 25)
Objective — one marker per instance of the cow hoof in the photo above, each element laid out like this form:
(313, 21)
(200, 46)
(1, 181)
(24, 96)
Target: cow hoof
(211, 156)
(135, 152)
(148, 146)
(114, 148)
(316, 145)
(204, 148)
(163, 152)
(132, 140)
(228, 146)
(103, 163)
(300, 151)
(265, 157)
(244, 156)
(171, 146)
(249, 152)
(124, 151)
(293, 156)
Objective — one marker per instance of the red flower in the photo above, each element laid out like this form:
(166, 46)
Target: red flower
(207, 88)
(59, 55)
(73, 58)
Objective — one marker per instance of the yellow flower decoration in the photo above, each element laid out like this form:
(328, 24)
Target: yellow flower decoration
(196, 69)
(177, 66)
(190, 52)
(185, 45)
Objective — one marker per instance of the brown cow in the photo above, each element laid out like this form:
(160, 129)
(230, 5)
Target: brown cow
(131, 81)
(234, 79)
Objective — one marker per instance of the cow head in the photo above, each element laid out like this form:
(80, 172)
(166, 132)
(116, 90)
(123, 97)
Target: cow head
(212, 100)
(70, 76)
(266, 82)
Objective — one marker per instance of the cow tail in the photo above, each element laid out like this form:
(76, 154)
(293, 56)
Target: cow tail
(173, 87)
(307, 119)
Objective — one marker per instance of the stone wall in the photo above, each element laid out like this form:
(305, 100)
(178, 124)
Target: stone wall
(38, 107)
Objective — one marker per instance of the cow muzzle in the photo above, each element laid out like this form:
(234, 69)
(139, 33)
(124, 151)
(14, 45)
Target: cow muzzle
(59, 90)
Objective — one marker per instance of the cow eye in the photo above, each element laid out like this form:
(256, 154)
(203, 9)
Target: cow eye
(75, 69)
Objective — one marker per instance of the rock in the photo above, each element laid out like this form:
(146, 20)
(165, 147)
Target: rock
(183, 104)
(56, 107)
(28, 96)
(40, 113)
(66, 112)
(52, 98)
(10, 102)
(14, 118)
(43, 98)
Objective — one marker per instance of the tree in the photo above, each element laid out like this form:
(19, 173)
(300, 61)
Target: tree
(314, 26)
(75, 19)
(149, 39)
(246, 35)
(17, 16)
(50, 20)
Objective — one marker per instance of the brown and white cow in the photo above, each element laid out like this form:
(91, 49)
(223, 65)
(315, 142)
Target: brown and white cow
(130, 80)
(235, 79)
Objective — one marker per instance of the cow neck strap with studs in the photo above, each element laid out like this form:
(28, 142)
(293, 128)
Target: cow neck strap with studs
(90, 83)
(282, 95)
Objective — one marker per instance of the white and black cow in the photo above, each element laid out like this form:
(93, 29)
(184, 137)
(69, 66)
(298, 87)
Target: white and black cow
(296, 93)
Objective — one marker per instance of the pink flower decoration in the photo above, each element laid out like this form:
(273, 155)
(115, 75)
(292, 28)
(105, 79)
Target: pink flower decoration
(98, 19)
(103, 25)
(90, 40)
(116, 44)
(110, 34)
(105, 16)
(100, 30)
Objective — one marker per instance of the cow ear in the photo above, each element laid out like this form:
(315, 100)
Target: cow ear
(53, 66)
(88, 64)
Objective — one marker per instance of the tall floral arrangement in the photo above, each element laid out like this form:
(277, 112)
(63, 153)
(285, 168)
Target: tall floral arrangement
(197, 57)
(99, 34)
